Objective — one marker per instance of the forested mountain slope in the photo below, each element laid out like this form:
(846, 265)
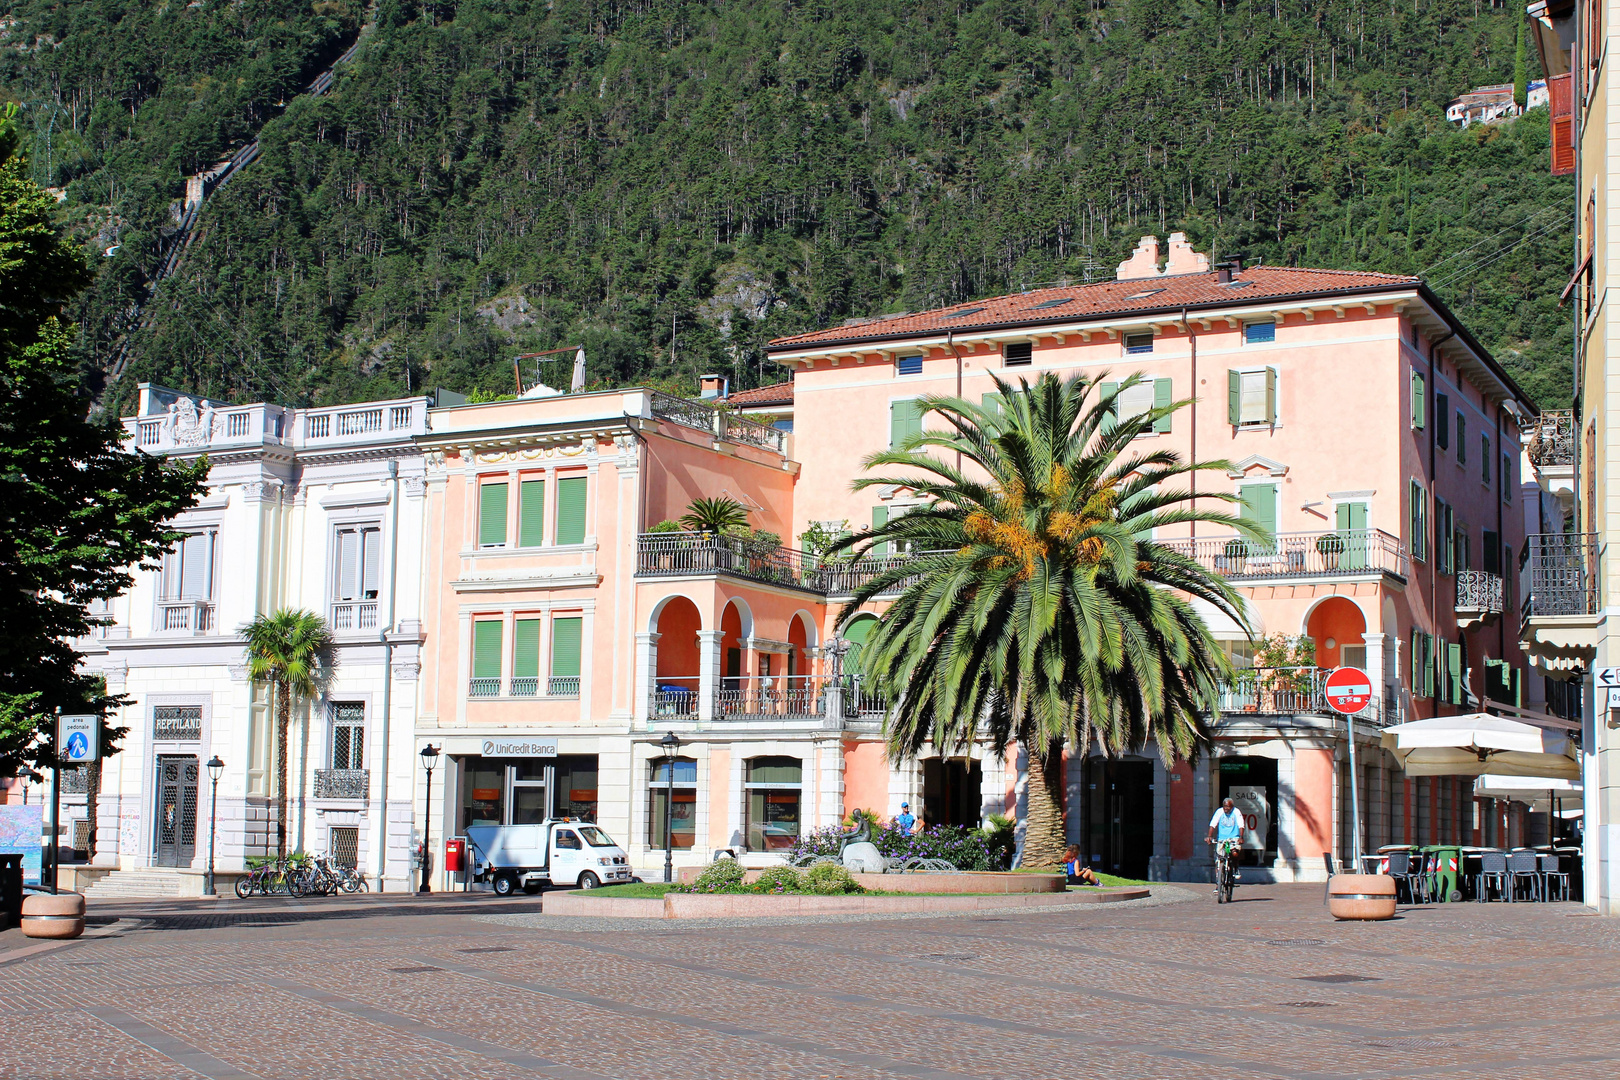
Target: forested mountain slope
(673, 182)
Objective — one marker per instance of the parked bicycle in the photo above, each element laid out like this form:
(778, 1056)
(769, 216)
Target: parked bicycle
(300, 875)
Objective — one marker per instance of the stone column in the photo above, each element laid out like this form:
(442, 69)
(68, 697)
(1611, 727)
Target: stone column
(709, 659)
(646, 675)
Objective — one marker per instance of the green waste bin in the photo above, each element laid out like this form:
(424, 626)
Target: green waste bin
(1443, 883)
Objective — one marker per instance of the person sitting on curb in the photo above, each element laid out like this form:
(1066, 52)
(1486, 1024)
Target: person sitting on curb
(1078, 872)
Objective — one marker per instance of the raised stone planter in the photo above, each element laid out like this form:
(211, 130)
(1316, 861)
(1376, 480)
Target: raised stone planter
(964, 881)
(725, 906)
(47, 916)
(1361, 897)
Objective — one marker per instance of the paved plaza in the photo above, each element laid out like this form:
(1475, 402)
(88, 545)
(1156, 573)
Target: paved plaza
(453, 986)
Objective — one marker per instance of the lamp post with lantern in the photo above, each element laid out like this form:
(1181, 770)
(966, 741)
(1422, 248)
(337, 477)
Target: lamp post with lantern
(672, 746)
(430, 758)
(216, 768)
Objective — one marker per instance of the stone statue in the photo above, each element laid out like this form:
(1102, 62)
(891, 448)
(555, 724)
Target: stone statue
(856, 850)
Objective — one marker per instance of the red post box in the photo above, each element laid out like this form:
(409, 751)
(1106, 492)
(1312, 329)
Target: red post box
(454, 853)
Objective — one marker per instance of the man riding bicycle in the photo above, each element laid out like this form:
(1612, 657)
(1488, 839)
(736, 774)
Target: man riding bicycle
(1226, 833)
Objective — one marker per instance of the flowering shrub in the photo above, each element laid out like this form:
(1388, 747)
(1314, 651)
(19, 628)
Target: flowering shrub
(830, 879)
(726, 876)
(967, 849)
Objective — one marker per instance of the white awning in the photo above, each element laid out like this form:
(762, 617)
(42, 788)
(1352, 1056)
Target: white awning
(1478, 743)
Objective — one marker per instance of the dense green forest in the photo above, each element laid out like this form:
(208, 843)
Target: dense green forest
(674, 182)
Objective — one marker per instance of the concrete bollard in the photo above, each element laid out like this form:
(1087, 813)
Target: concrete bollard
(47, 916)
(1361, 897)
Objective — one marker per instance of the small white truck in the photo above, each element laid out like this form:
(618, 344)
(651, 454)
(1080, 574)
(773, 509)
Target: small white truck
(559, 852)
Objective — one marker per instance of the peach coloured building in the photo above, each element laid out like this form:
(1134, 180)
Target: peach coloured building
(570, 626)
(1362, 423)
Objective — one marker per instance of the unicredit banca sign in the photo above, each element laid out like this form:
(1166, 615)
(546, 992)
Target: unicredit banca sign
(520, 747)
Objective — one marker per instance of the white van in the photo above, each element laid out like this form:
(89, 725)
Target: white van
(563, 852)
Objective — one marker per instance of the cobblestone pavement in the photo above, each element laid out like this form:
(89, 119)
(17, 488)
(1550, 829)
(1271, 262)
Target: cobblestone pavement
(384, 987)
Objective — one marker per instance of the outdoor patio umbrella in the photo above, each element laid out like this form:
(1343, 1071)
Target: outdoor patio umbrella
(1478, 743)
(1540, 793)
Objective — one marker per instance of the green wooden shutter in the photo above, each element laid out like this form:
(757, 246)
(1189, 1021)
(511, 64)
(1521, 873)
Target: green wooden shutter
(1271, 395)
(565, 643)
(1161, 400)
(1417, 663)
(992, 404)
(1417, 401)
(487, 649)
(1108, 390)
(492, 515)
(532, 513)
(905, 420)
(1350, 519)
(526, 649)
(571, 510)
(880, 518)
(1518, 690)
(1234, 397)
(1428, 665)
(1442, 536)
(1260, 506)
(1454, 666)
(1418, 523)
(856, 635)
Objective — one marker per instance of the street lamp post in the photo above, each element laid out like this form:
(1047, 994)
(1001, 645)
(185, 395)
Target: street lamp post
(430, 758)
(215, 768)
(672, 745)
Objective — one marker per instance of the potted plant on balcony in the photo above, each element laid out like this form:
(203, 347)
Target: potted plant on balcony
(1330, 546)
(663, 554)
(1233, 556)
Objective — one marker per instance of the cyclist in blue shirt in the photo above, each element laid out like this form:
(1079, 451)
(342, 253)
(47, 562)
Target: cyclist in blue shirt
(1226, 829)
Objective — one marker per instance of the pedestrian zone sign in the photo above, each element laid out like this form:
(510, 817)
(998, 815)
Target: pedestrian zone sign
(78, 738)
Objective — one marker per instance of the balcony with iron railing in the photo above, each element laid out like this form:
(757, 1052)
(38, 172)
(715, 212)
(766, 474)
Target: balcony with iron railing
(1552, 440)
(1561, 572)
(1291, 691)
(770, 697)
(676, 554)
(342, 783)
(721, 423)
(1479, 598)
(1352, 553)
(1559, 625)
(525, 686)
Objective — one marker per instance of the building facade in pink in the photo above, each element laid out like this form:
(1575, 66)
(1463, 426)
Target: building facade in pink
(570, 626)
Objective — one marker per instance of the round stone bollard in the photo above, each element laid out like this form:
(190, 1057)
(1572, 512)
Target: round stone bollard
(47, 916)
(1363, 897)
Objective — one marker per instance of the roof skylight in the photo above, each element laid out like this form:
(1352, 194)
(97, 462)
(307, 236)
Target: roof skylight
(1144, 294)
(1053, 303)
(963, 313)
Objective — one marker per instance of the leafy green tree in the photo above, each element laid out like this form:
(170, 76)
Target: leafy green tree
(77, 512)
(291, 652)
(717, 515)
(1034, 609)
(1521, 70)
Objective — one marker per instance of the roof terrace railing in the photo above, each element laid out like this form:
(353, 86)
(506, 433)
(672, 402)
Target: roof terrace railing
(721, 423)
(1298, 555)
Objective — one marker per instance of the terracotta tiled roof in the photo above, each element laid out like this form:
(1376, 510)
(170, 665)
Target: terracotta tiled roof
(1076, 302)
(776, 394)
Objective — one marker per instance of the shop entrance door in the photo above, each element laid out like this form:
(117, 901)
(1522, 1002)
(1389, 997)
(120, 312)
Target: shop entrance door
(176, 810)
(951, 792)
(1119, 816)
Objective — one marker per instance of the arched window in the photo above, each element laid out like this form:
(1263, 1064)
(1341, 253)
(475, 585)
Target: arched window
(672, 790)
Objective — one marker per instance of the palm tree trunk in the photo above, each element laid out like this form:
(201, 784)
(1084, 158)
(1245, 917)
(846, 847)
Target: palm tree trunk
(92, 801)
(283, 720)
(1044, 839)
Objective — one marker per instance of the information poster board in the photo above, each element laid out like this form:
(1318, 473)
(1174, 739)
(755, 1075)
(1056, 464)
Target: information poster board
(22, 831)
(1251, 803)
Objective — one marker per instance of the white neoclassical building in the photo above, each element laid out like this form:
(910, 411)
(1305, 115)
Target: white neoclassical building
(319, 509)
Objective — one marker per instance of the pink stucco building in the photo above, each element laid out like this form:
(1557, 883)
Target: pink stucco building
(566, 633)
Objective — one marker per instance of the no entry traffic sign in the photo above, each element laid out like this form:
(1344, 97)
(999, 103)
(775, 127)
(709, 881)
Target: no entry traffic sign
(1348, 690)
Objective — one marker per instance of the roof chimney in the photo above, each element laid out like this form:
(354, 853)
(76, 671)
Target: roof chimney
(712, 386)
(1226, 268)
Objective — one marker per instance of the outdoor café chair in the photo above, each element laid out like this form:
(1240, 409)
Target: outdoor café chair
(1400, 868)
(1493, 870)
(1551, 875)
(1522, 868)
(1327, 860)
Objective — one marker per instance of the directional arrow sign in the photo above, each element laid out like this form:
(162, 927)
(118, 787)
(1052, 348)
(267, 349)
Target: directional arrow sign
(1348, 690)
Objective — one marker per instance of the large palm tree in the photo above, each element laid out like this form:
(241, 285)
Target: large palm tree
(1035, 609)
(291, 652)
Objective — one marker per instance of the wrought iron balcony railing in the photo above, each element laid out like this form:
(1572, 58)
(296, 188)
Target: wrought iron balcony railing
(1288, 692)
(720, 422)
(342, 783)
(1299, 555)
(770, 697)
(1562, 572)
(678, 553)
(1479, 591)
(1552, 440)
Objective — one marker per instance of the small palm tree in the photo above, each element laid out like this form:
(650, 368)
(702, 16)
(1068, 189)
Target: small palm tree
(719, 515)
(291, 652)
(1036, 610)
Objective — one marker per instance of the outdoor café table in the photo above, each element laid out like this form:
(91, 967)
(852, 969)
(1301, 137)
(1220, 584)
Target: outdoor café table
(1387, 848)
